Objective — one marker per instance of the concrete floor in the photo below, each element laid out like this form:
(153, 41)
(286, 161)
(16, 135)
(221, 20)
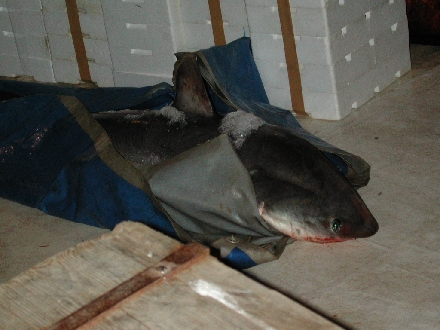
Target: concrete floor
(388, 281)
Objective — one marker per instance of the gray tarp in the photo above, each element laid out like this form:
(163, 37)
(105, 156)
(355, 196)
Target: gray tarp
(209, 192)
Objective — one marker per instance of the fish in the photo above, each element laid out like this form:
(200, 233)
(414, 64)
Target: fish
(299, 192)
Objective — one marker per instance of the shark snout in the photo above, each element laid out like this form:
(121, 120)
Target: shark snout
(369, 228)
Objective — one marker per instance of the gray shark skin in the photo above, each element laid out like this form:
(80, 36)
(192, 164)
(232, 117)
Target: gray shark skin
(299, 192)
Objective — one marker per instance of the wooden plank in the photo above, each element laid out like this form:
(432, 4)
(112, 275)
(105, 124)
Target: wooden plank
(291, 57)
(169, 266)
(63, 283)
(210, 295)
(217, 22)
(78, 42)
(204, 294)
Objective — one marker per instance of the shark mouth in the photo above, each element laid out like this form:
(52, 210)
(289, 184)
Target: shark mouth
(297, 230)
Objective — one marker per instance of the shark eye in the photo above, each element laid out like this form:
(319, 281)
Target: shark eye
(336, 225)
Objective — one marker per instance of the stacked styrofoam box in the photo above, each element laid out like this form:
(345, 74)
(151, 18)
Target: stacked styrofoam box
(347, 49)
(235, 22)
(95, 41)
(24, 43)
(65, 66)
(140, 41)
(196, 27)
(10, 64)
(196, 24)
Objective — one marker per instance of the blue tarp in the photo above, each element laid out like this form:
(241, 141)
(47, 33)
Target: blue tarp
(48, 161)
(54, 157)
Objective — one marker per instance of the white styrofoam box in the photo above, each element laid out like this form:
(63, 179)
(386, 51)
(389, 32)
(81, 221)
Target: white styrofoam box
(380, 77)
(174, 12)
(39, 68)
(328, 105)
(21, 44)
(335, 106)
(38, 47)
(264, 19)
(92, 26)
(357, 92)
(308, 3)
(61, 47)
(234, 13)
(375, 3)
(279, 97)
(354, 65)
(333, 78)
(310, 50)
(340, 13)
(13, 4)
(314, 21)
(102, 74)
(321, 78)
(195, 11)
(141, 48)
(16, 19)
(385, 15)
(311, 22)
(273, 74)
(349, 38)
(393, 40)
(235, 22)
(399, 64)
(314, 50)
(354, 95)
(98, 51)
(268, 47)
(178, 37)
(386, 72)
(54, 5)
(5, 22)
(31, 5)
(263, 3)
(33, 23)
(66, 71)
(142, 61)
(293, 3)
(56, 22)
(322, 105)
(134, 35)
(10, 65)
(337, 46)
(123, 79)
(148, 12)
(7, 43)
(91, 7)
(197, 36)
(176, 25)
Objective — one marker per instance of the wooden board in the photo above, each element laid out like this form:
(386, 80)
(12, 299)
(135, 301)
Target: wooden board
(179, 287)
